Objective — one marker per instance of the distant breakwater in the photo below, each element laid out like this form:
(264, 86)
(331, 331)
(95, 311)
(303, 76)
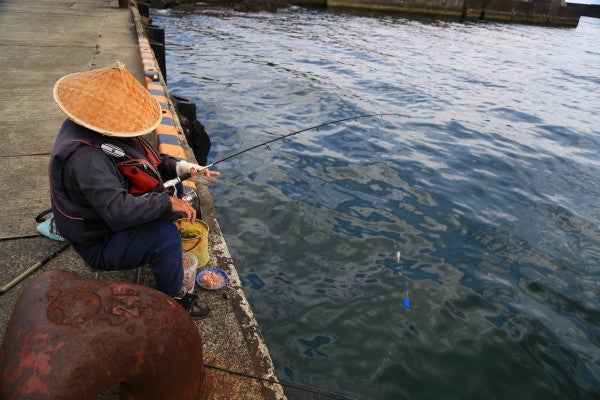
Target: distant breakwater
(548, 13)
(512, 11)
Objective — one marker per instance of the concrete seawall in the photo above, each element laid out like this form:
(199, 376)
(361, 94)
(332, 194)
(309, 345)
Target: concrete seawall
(586, 10)
(539, 12)
(513, 11)
(231, 334)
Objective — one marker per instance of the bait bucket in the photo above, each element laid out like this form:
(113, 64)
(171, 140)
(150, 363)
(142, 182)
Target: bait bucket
(194, 238)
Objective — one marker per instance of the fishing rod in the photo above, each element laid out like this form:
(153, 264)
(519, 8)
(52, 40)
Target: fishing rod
(266, 144)
(33, 268)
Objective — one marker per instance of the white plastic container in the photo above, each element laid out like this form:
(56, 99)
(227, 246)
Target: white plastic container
(190, 263)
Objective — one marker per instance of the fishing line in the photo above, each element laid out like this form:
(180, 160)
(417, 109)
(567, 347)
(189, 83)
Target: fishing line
(294, 385)
(266, 144)
(298, 386)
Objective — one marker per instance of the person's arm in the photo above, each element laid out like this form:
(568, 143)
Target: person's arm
(99, 182)
(168, 166)
(183, 166)
(183, 208)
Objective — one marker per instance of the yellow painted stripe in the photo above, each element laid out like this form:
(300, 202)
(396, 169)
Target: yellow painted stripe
(155, 86)
(163, 99)
(166, 130)
(151, 72)
(171, 149)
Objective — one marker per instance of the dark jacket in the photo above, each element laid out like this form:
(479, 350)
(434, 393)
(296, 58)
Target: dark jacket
(90, 197)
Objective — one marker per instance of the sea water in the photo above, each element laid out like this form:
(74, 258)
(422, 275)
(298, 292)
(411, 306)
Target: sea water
(488, 184)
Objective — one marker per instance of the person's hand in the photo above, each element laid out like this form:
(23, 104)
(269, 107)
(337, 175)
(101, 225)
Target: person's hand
(208, 174)
(184, 166)
(183, 208)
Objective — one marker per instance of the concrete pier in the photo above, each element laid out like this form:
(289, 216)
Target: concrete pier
(40, 41)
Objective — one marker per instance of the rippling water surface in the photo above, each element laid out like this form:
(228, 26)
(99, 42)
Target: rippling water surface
(488, 186)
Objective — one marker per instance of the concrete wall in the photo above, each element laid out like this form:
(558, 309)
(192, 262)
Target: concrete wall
(587, 10)
(434, 7)
(537, 13)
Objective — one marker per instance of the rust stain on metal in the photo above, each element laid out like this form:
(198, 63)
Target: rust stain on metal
(75, 337)
(73, 308)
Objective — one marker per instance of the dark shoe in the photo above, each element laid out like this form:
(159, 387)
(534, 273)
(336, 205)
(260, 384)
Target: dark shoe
(192, 304)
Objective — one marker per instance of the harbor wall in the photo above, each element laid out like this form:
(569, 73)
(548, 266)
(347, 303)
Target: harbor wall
(587, 10)
(513, 11)
(536, 12)
(540, 12)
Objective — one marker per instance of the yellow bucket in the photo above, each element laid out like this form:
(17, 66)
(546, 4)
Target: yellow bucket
(194, 238)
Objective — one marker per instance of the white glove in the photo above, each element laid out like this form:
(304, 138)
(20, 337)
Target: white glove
(184, 166)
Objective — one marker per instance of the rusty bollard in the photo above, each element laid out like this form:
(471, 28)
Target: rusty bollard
(71, 337)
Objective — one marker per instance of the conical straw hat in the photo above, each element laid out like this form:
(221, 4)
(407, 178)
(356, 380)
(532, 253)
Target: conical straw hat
(109, 101)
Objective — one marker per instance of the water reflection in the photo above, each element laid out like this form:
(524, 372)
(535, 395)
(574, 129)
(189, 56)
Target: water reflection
(489, 189)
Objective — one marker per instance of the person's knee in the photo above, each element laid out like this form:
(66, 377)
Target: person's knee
(167, 236)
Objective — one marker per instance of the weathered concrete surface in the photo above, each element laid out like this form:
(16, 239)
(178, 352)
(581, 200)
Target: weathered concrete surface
(40, 41)
(532, 13)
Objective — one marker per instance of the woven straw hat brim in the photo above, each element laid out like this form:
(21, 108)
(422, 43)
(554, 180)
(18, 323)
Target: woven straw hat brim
(109, 101)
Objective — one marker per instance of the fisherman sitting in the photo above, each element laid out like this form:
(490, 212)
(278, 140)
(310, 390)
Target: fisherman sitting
(106, 180)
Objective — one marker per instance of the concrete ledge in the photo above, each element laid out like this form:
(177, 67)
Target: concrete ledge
(233, 342)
